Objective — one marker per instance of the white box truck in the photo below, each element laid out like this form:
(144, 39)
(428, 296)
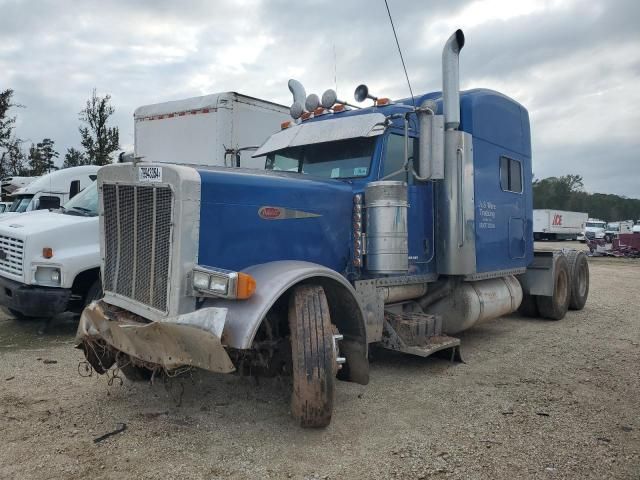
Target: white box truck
(52, 259)
(215, 129)
(558, 224)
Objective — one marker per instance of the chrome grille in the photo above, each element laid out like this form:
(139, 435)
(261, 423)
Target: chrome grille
(11, 259)
(137, 230)
(590, 235)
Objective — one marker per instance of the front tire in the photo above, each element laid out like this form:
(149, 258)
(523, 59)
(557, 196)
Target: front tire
(314, 364)
(94, 293)
(556, 306)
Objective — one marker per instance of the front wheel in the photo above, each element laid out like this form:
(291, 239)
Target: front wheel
(94, 293)
(313, 355)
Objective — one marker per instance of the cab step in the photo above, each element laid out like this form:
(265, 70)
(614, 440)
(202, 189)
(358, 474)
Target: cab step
(418, 334)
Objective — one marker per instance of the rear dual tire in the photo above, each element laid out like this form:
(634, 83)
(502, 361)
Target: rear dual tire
(579, 271)
(570, 289)
(556, 306)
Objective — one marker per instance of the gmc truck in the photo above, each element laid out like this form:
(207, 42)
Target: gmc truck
(398, 225)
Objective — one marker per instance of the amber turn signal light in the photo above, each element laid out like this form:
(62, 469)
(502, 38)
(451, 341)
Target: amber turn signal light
(246, 286)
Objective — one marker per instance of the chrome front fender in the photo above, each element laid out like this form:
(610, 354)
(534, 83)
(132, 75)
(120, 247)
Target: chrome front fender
(273, 279)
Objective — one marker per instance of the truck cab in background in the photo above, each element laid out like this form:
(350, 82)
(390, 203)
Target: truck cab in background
(594, 229)
(50, 260)
(51, 191)
(397, 225)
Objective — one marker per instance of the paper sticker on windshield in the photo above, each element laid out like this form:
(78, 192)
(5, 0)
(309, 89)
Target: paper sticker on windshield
(360, 171)
(335, 172)
(150, 174)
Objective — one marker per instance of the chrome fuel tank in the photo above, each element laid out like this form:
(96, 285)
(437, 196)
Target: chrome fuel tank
(387, 250)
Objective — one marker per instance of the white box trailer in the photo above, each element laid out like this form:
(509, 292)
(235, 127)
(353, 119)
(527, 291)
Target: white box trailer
(558, 224)
(202, 130)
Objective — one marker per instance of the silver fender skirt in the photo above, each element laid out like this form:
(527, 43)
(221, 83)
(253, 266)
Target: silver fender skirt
(273, 279)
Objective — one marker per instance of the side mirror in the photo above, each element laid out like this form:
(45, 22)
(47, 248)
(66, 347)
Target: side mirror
(74, 189)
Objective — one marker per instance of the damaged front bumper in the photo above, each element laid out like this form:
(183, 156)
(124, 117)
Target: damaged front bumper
(192, 339)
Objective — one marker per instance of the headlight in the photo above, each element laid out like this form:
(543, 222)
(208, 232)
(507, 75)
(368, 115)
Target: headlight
(48, 276)
(200, 280)
(222, 283)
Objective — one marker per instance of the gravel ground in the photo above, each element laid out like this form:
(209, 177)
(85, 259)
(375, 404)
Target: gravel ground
(535, 399)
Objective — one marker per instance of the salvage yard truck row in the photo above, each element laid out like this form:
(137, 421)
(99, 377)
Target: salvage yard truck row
(50, 260)
(397, 225)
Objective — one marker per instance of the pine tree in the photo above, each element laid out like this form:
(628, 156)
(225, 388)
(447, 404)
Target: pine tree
(74, 158)
(41, 157)
(99, 140)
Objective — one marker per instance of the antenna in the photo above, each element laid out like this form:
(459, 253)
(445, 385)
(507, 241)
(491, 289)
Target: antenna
(335, 69)
(413, 100)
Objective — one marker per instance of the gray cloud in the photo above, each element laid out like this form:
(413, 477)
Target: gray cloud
(573, 63)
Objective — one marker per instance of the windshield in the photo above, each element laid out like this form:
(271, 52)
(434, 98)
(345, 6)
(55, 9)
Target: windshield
(20, 203)
(84, 203)
(341, 159)
(595, 224)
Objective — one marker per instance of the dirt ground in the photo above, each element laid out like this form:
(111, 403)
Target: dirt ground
(535, 399)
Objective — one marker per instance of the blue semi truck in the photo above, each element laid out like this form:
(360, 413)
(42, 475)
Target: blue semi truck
(397, 225)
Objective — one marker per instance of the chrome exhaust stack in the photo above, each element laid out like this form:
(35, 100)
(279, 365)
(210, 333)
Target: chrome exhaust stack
(451, 80)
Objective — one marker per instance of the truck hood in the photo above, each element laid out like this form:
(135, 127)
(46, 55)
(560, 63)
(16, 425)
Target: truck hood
(249, 217)
(43, 222)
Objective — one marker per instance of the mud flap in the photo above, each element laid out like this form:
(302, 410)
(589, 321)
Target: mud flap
(192, 339)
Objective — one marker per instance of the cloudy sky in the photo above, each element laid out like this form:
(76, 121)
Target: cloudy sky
(575, 64)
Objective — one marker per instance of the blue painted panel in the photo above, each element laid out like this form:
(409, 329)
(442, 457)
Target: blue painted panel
(234, 236)
(420, 221)
(498, 212)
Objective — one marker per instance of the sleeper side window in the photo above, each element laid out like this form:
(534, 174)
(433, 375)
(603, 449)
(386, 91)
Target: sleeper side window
(510, 175)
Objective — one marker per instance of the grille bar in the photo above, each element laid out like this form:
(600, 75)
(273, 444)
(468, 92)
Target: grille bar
(137, 230)
(13, 249)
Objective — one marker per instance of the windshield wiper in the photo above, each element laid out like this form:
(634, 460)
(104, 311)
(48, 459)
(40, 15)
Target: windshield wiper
(78, 211)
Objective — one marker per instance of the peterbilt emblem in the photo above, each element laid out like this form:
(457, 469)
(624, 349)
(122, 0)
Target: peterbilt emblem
(278, 213)
(3, 255)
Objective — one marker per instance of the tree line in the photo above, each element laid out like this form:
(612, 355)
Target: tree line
(97, 139)
(567, 193)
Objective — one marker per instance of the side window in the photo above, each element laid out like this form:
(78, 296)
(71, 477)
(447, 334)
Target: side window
(394, 156)
(510, 175)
